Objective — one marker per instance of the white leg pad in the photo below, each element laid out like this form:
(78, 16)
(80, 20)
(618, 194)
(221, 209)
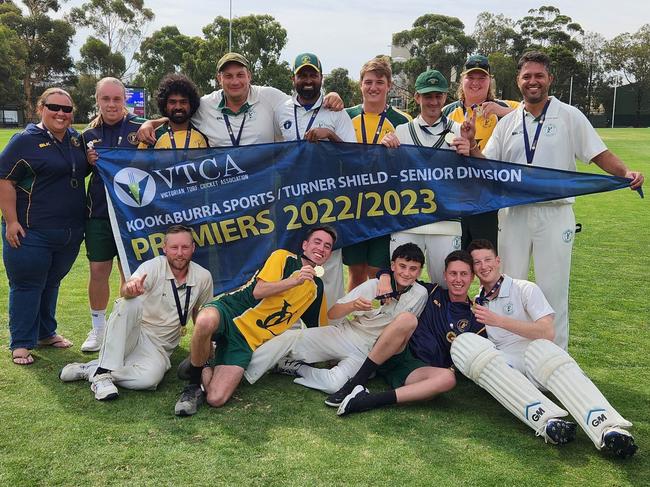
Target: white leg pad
(478, 359)
(555, 370)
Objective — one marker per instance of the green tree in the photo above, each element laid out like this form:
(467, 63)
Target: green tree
(591, 58)
(45, 40)
(97, 60)
(504, 71)
(339, 82)
(629, 54)
(547, 29)
(260, 38)
(495, 33)
(83, 95)
(434, 41)
(118, 23)
(12, 65)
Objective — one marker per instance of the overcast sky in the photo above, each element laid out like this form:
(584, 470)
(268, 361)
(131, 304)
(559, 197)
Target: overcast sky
(348, 33)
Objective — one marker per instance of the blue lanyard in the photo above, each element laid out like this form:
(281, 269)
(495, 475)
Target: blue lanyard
(311, 120)
(73, 162)
(235, 142)
(380, 124)
(188, 134)
(531, 148)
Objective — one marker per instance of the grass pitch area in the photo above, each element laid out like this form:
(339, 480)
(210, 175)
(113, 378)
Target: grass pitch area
(278, 433)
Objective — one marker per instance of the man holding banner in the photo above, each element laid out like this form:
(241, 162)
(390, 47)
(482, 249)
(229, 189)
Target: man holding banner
(545, 132)
(240, 113)
(304, 117)
(178, 100)
(286, 289)
(372, 120)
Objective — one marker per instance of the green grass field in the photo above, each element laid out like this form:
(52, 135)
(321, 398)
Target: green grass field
(278, 433)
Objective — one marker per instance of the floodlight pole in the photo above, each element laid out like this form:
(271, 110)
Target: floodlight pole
(571, 90)
(614, 104)
(230, 30)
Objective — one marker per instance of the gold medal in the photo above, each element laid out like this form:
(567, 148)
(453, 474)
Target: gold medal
(319, 271)
(449, 137)
(183, 331)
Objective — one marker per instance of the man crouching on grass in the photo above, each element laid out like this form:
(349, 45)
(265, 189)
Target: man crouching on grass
(283, 291)
(147, 323)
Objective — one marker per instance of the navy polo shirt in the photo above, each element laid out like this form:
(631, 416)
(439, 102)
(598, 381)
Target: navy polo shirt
(43, 168)
(122, 134)
(439, 323)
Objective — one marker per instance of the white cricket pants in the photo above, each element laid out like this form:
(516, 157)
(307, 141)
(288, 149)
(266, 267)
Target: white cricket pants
(134, 360)
(546, 233)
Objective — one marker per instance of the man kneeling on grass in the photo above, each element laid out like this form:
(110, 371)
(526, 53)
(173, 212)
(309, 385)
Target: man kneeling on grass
(147, 323)
(283, 291)
(414, 358)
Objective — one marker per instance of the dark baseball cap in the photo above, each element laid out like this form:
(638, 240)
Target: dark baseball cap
(307, 59)
(477, 63)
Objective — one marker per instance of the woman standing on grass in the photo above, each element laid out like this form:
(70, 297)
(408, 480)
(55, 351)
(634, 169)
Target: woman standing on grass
(42, 198)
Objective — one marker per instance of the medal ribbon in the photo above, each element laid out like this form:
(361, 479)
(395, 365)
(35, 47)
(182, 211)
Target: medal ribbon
(531, 148)
(380, 124)
(182, 314)
(483, 298)
(235, 142)
(311, 120)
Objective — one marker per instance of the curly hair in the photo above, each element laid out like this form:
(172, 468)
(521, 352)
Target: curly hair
(175, 83)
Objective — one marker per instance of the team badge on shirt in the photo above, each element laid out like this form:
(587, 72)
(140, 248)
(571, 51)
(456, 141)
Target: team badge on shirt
(508, 308)
(567, 235)
(550, 129)
(75, 141)
(132, 138)
(287, 124)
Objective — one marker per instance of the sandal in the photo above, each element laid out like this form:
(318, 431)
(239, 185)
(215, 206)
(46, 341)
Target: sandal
(22, 356)
(56, 341)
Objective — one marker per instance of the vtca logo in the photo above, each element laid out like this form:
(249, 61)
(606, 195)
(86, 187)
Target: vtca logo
(134, 187)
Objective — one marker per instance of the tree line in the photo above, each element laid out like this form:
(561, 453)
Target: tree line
(35, 52)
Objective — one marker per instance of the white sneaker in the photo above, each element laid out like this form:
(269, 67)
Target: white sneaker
(103, 387)
(75, 371)
(93, 342)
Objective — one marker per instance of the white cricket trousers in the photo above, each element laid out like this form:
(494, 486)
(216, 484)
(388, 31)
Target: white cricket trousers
(132, 357)
(546, 233)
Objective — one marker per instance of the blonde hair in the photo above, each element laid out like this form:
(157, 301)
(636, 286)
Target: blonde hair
(42, 100)
(379, 65)
(491, 94)
(98, 120)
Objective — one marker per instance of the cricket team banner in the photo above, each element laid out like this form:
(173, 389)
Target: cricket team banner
(245, 202)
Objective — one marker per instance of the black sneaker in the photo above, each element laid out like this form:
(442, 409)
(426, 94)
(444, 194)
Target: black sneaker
(349, 403)
(336, 398)
(560, 432)
(191, 398)
(183, 369)
(620, 443)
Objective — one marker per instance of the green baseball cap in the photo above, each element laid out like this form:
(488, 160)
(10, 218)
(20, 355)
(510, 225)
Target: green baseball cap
(232, 57)
(477, 63)
(307, 59)
(431, 80)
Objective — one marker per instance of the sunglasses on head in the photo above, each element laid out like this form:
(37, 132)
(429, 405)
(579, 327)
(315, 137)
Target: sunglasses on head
(477, 64)
(53, 107)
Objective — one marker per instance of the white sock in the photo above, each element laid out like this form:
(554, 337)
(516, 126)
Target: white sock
(98, 319)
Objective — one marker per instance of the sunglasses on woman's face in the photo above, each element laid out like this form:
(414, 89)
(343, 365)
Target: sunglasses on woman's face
(53, 107)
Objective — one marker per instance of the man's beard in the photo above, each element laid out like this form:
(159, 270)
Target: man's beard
(179, 117)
